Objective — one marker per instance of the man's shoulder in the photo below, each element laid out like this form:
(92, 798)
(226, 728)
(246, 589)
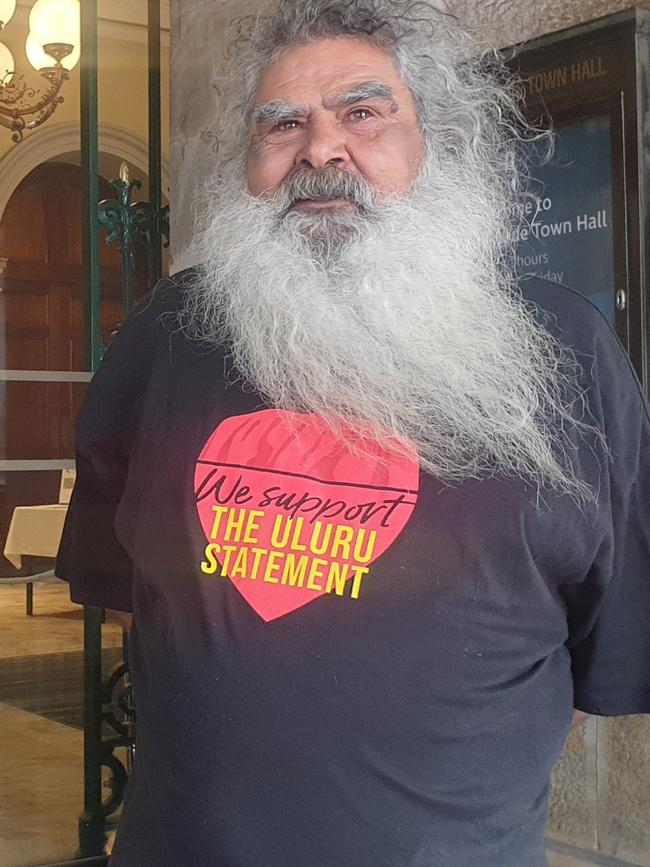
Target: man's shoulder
(584, 329)
(566, 313)
(157, 314)
(168, 295)
(558, 300)
(155, 321)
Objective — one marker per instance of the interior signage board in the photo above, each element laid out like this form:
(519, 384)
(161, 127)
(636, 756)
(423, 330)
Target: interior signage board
(565, 232)
(586, 223)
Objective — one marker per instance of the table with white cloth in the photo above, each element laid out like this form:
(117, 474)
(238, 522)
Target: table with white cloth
(35, 531)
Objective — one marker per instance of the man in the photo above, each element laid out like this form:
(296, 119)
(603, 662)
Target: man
(381, 514)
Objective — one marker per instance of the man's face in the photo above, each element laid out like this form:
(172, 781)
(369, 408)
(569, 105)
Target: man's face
(346, 290)
(337, 103)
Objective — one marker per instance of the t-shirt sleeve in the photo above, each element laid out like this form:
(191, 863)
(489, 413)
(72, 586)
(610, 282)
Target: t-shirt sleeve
(91, 557)
(609, 612)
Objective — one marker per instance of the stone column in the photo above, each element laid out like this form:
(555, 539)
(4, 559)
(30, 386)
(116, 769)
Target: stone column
(197, 50)
(507, 22)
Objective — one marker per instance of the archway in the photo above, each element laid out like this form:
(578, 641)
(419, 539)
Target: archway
(64, 138)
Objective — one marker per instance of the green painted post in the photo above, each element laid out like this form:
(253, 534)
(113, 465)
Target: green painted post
(91, 824)
(127, 299)
(155, 159)
(90, 172)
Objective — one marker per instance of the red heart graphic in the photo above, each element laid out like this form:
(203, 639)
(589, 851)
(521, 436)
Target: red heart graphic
(290, 513)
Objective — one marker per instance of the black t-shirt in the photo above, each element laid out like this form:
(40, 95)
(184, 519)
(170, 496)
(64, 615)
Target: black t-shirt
(385, 674)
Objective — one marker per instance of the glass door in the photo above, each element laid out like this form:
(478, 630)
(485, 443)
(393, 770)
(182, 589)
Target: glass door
(42, 383)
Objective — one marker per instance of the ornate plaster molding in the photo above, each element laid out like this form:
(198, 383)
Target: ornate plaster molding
(65, 137)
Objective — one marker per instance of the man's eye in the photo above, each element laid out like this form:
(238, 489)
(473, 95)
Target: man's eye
(361, 114)
(285, 125)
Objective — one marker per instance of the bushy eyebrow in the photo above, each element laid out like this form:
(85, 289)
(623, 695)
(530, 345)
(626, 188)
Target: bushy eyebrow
(364, 90)
(277, 110)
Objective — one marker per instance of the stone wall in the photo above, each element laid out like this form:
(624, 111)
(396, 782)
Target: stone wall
(507, 22)
(601, 795)
(197, 47)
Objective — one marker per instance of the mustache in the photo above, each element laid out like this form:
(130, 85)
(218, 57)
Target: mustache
(324, 185)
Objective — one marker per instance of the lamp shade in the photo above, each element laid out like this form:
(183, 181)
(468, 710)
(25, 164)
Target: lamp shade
(6, 64)
(40, 60)
(55, 21)
(7, 9)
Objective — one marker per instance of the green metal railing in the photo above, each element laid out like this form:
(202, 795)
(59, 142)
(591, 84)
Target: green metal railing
(132, 225)
(91, 823)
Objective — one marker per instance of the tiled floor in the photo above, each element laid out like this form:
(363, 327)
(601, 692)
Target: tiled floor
(55, 627)
(556, 859)
(562, 859)
(41, 771)
(42, 774)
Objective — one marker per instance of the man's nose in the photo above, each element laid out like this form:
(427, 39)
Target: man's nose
(324, 145)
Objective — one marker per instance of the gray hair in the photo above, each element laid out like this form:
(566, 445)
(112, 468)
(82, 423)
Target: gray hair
(467, 100)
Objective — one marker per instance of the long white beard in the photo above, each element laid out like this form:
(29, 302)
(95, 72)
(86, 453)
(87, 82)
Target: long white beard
(400, 323)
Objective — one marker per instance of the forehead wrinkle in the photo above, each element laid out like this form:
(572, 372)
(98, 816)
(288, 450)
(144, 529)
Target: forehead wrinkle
(277, 109)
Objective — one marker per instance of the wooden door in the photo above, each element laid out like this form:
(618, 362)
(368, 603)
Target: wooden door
(42, 325)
